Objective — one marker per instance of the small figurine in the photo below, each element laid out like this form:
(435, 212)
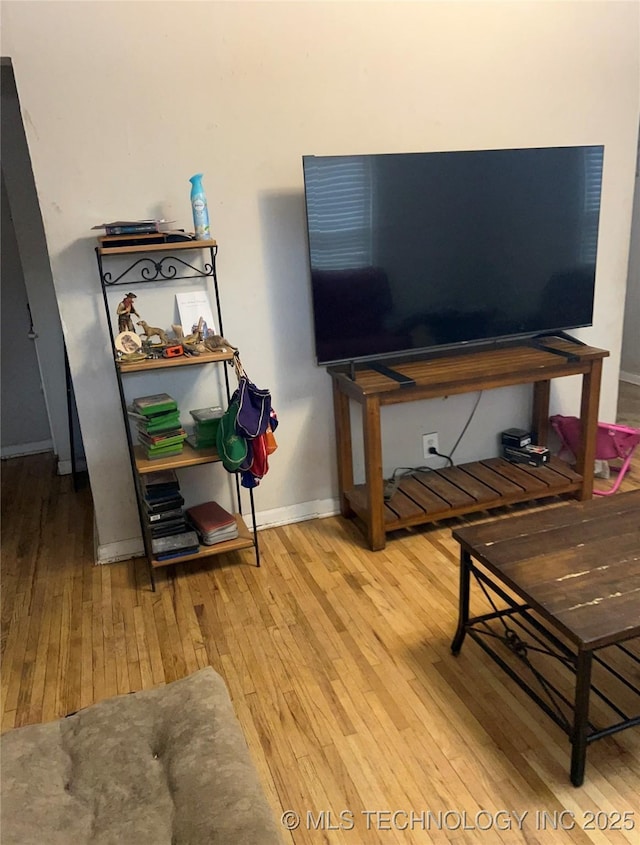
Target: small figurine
(125, 310)
(217, 342)
(191, 342)
(149, 331)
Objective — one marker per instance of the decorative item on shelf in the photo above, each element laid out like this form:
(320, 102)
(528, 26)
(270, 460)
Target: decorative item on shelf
(191, 344)
(217, 343)
(128, 343)
(151, 331)
(124, 311)
(133, 357)
(199, 208)
(173, 351)
(194, 309)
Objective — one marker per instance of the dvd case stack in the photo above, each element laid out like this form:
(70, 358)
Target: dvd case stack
(175, 545)
(163, 503)
(158, 421)
(205, 430)
(213, 523)
(171, 533)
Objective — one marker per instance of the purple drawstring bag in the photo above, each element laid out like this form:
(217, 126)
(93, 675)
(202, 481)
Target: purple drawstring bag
(255, 408)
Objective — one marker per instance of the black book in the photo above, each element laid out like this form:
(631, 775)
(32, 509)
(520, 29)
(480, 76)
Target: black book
(160, 478)
(175, 543)
(164, 516)
(177, 554)
(170, 523)
(162, 505)
(168, 529)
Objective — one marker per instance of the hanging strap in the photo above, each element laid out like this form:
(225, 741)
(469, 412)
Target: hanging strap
(237, 365)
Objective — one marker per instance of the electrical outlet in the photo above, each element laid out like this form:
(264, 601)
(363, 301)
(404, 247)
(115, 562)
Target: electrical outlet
(430, 441)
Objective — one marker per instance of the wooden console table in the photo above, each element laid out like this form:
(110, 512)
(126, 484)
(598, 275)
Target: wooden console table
(481, 485)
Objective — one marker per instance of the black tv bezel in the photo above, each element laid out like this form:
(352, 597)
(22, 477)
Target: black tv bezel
(458, 347)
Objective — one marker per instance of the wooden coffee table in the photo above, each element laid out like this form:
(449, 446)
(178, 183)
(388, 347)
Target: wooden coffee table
(563, 587)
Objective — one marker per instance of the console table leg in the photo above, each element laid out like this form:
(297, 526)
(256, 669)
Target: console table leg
(342, 420)
(540, 412)
(373, 473)
(581, 717)
(589, 418)
(463, 612)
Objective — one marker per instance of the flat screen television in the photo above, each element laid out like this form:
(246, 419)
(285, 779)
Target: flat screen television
(413, 252)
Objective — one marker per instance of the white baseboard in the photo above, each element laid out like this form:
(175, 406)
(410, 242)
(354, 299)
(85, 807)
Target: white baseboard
(120, 550)
(133, 547)
(631, 378)
(317, 509)
(26, 449)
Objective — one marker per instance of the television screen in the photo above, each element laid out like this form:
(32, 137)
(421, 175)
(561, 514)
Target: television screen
(425, 251)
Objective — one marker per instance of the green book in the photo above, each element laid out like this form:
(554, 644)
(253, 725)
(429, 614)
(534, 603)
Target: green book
(195, 443)
(161, 443)
(168, 452)
(203, 415)
(165, 422)
(158, 403)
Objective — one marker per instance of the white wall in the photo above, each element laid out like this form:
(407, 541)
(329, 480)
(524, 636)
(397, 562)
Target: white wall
(130, 99)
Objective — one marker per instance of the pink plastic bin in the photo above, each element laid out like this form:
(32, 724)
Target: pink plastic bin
(612, 442)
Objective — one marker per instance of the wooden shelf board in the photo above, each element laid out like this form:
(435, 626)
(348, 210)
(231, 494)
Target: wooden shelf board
(461, 373)
(481, 485)
(184, 361)
(244, 540)
(189, 457)
(166, 247)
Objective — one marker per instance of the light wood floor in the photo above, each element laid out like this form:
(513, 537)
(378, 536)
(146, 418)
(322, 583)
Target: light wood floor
(338, 664)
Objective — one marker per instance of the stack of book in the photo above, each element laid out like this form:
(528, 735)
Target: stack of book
(163, 503)
(205, 430)
(213, 523)
(134, 227)
(158, 421)
(171, 533)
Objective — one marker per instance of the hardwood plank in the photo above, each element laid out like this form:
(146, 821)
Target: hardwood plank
(146, 673)
(86, 656)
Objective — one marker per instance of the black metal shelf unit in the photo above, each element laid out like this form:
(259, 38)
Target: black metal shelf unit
(146, 267)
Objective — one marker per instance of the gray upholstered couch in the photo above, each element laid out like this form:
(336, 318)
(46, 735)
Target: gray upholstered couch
(167, 766)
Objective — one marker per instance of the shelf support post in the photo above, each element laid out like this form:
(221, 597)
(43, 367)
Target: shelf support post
(373, 471)
(342, 421)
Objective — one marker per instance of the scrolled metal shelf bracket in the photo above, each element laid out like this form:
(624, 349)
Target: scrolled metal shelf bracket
(168, 268)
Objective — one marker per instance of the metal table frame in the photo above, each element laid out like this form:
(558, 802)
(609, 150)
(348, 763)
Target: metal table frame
(526, 636)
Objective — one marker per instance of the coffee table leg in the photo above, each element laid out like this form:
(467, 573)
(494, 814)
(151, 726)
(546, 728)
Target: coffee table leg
(463, 611)
(581, 718)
